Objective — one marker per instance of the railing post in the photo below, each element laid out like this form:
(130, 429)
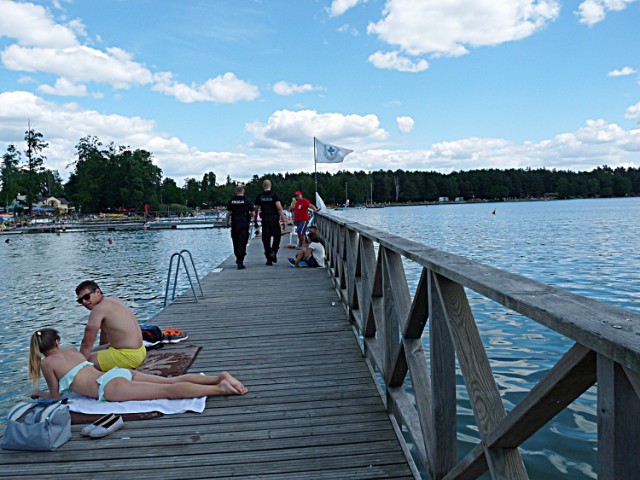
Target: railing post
(618, 423)
(443, 387)
(352, 249)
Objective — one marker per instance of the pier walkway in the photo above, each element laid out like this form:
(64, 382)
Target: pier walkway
(313, 409)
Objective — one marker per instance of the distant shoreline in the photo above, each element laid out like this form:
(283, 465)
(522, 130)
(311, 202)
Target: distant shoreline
(506, 200)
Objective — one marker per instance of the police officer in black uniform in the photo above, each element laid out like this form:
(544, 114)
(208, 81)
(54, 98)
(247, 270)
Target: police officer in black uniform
(239, 211)
(270, 208)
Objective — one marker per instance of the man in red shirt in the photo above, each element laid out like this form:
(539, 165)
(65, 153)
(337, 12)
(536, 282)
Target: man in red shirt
(301, 216)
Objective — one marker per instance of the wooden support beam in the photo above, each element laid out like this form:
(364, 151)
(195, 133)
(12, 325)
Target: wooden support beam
(470, 467)
(419, 309)
(397, 304)
(401, 407)
(483, 392)
(443, 383)
(574, 373)
(351, 252)
(421, 383)
(368, 273)
(634, 378)
(618, 423)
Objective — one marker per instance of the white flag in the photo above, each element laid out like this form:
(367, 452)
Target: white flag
(320, 204)
(327, 153)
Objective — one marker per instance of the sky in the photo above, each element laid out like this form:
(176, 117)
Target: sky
(242, 87)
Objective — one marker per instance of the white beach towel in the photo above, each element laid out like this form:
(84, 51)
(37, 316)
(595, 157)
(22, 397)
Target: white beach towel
(82, 404)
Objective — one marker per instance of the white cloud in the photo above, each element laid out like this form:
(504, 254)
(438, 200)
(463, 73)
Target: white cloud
(392, 61)
(405, 124)
(64, 88)
(32, 25)
(440, 28)
(287, 88)
(346, 28)
(286, 129)
(597, 143)
(225, 88)
(633, 112)
(48, 47)
(63, 125)
(79, 64)
(78, 27)
(622, 72)
(594, 11)
(289, 136)
(338, 7)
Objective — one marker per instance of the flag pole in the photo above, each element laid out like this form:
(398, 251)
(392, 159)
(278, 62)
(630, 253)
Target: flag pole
(315, 164)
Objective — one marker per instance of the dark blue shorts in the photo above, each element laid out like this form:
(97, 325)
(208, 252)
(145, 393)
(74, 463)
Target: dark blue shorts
(301, 227)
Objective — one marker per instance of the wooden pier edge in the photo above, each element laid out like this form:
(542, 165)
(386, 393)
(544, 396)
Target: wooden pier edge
(366, 267)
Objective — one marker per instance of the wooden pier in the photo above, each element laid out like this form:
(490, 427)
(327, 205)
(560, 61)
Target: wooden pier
(115, 226)
(313, 409)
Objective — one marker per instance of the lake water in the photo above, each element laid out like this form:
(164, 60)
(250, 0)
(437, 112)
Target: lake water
(590, 247)
(39, 274)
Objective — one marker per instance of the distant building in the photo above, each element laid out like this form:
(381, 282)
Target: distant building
(50, 204)
(459, 199)
(443, 199)
(60, 204)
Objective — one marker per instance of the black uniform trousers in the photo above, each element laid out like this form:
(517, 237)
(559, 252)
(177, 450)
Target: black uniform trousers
(270, 232)
(240, 238)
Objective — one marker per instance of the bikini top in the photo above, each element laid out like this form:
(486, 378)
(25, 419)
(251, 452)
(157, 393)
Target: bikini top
(64, 384)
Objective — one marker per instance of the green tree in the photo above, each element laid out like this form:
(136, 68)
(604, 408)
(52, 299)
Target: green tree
(86, 185)
(10, 175)
(593, 187)
(52, 183)
(193, 192)
(170, 192)
(34, 164)
(209, 191)
(621, 186)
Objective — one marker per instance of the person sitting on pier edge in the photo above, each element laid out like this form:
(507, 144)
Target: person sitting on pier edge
(120, 335)
(301, 216)
(239, 211)
(312, 254)
(268, 205)
(67, 370)
(314, 229)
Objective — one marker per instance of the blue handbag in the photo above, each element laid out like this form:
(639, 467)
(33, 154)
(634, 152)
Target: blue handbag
(37, 426)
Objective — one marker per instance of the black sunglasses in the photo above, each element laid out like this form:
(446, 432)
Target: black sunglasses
(85, 297)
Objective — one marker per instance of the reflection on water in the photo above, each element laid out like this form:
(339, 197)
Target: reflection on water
(589, 247)
(39, 273)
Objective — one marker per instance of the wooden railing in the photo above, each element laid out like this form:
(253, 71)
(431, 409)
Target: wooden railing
(366, 266)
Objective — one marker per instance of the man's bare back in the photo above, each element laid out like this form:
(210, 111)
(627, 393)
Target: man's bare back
(110, 317)
(117, 322)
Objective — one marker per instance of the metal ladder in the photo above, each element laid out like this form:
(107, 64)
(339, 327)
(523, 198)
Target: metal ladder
(182, 260)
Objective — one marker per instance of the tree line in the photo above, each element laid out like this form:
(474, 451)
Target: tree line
(111, 178)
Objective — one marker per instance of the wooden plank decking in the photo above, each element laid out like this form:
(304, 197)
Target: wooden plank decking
(312, 411)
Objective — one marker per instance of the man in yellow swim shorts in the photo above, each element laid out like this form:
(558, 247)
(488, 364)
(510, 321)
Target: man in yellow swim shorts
(120, 334)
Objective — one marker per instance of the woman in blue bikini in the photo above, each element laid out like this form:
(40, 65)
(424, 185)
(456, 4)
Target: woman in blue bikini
(67, 370)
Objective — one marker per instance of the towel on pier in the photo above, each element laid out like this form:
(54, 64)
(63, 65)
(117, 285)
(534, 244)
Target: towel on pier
(168, 362)
(82, 404)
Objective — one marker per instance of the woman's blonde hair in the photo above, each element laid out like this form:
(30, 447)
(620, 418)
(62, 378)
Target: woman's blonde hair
(41, 341)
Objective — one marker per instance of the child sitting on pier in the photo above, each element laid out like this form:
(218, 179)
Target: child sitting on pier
(312, 254)
(67, 370)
